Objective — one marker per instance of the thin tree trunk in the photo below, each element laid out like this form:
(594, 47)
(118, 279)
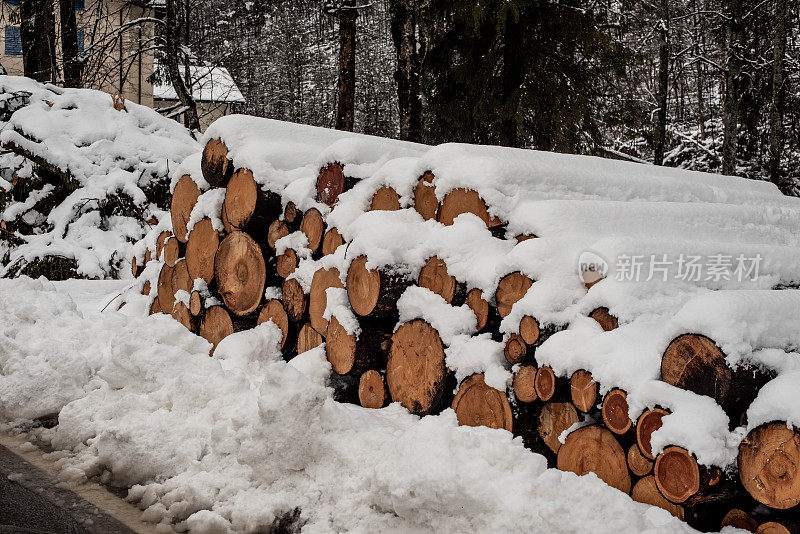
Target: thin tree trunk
(347, 66)
(172, 32)
(778, 97)
(660, 136)
(732, 98)
(69, 43)
(38, 35)
(404, 24)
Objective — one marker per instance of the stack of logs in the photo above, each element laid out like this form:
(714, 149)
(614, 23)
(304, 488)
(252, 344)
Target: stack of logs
(406, 364)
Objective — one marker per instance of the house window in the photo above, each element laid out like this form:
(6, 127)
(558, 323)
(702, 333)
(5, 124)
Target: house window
(13, 41)
(80, 41)
(80, 4)
(12, 2)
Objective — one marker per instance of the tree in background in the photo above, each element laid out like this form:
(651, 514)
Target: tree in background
(69, 43)
(38, 35)
(176, 55)
(404, 35)
(660, 130)
(778, 98)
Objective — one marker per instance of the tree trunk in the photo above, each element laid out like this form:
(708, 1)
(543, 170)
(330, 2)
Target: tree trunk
(731, 101)
(663, 83)
(347, 66)
(404, 24)
(778, 97)
(172, 35)
(38, 35)
(69, 43)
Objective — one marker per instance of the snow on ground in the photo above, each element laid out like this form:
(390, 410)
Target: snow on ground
(243, 440)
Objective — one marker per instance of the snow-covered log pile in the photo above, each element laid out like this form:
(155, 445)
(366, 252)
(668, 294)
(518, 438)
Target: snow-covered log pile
(632, 321)
(80, 177)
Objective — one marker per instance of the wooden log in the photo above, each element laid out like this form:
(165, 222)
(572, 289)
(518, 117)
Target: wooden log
(295, 302)
(275, 231)
(646, 491)
(148, 255)
(460, 201)
(679, 476)
(332, 182)
(637, 463)
(160, 240)
(529, 331)
(373, 292)
(555, 418)
(738, 518)
(154, 307)
(351, 354)
(782, 526)
(385, 198)
(511, 288)
(594, 449)
(146, 288)
(181, 314)
(583, 391)
(273, 311)
(425, 201)
(434, 276)
(166, 295)
(769, 465)
(135, 267)
(308, 339)
(240, 272)
(201, 248)
(215, 326)
(615, 412)
(604, 318)
(524, 237)
(416, 373)
(292, 216)
(183, 201)
(332, 240)
(648, 422)
(248, 207)
(486, 315)
(372, 390)
(523, 384)
(318, 299)
(477, 404)
(195, 303)
(313, 226)
(695, 363)
(550, 387)
(216, 167)
(286, 263)
(516, 350)
(181, 281)
(172, 250)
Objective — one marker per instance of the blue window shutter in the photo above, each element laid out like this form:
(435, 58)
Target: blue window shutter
(13, 41)
(12, 2)
(80, 41)
(80, 4)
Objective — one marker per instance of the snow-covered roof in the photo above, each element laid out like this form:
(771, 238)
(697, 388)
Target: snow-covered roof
(209, 84)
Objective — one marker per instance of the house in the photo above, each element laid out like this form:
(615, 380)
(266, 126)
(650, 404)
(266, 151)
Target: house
(118, 48)
(213, 89)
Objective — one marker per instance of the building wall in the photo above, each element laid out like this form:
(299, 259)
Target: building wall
(116, 61)
(208, 111)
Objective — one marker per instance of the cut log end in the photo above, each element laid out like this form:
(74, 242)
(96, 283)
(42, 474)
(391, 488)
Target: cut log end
(372, 390)
(769, 465)
(615, 412)
(545, 383)
(273, 311)
(166, 295)
(172, 251)
(555, 418)
(511, 288)
(646, 491)
(416, 372)
(240, 272)
(180, 313)
(308, 339)
(695, 363)
(523, 384)
(777, 527)
(459, 201)
(330, 184)
(515, 350)
(529, 330)
(241, 197)
(385, 198)
(201, 250)
(425, 201)
(604, 318)
(276, 230)
(738, 518)
(294, 300)
(477, 404)
(215, 165)
(677, 474)
(184, 198)
(434, 276)
(340, 347)
(648, 422)
(195, 303)
(215, 326)
(638, 464)
(290, 213)
(363, 286)
(583, 390)
(313, 227)
(286, 263)
(160, 240)
(318, 298)
(332, 240)
(479, 306)
(595, 449)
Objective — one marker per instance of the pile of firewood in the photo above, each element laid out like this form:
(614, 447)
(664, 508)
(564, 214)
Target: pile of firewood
(213, 282)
